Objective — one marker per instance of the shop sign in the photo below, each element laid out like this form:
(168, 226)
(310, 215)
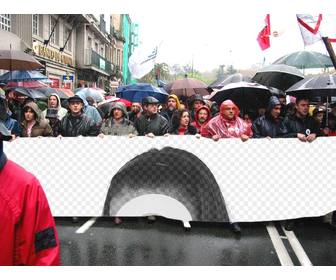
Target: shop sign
(51, 54)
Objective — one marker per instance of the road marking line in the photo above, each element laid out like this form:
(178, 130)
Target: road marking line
(297, 248)
(279, 247)
(86, 226)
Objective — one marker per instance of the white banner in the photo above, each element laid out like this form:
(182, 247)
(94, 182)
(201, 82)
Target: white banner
(183, 177)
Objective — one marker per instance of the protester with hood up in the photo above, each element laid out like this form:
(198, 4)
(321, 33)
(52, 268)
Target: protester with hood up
(197, 101)
(151, 123)
(54, 102)
(118, 123)
(11, 124)
(202, 116)
(28, 233)
(173, 104)
(269, 125)
(76, 123)
(300, 125)
(227, 124)
(90, 111)
(180, 123)
(33, 125)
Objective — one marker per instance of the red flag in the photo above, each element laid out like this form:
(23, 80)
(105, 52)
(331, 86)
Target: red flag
(264, 35)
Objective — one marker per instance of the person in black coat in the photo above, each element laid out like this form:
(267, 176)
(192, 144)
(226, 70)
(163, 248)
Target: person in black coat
(300, 124)
(75, 123)
(269, 125)
(151, 123)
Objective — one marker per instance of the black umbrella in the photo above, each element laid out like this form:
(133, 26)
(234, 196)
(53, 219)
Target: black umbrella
(280, 76)
(30, 92)
(218, 83)
(246, 95)
(235, 78)
(322, 86)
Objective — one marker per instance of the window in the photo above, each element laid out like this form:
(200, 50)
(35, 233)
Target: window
(35, 24)
(5, 22)
(66, 35)
(54, 36)
(96, 47)
(89, 42)
(118, 57)
(102, 51)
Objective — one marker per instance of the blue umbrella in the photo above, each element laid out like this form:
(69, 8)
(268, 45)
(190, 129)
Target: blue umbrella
(22, 75)
(136, 92)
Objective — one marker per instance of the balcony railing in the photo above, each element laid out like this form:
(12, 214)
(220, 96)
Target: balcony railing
(94, 59)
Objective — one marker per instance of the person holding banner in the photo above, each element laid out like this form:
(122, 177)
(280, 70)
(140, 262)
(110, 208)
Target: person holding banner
(151, 123)
(300, 124)
(28, 233)
(227, 124)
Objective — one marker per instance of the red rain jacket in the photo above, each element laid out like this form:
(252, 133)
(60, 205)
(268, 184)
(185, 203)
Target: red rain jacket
(27, 229)
(196, 123)
(227, 128)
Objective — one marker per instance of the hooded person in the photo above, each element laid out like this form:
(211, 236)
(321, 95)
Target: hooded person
(90, 111)
(196, 102)
(271, 124)
(28, 233)
(173, 104)
(118, 123)
(227, 124)
(33, 125)
(202, 116)
(54, 102)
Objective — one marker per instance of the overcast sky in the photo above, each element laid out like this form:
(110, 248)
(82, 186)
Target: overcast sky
(209, 32)
(220, 38)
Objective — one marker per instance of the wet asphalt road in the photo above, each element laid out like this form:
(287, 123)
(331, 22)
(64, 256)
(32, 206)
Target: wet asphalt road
(166, 242)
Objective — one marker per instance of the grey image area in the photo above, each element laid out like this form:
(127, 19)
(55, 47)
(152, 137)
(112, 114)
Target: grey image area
(172, 172)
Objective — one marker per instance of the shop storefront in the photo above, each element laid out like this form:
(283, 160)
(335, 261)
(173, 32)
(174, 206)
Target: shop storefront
(59, 67)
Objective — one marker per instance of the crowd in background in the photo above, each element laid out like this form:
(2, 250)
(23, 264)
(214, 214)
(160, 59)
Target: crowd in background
(79, 115)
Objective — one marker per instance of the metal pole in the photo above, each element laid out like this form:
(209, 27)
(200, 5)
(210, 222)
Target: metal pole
(330, 50)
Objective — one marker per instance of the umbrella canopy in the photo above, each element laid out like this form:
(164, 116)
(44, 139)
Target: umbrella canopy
(187, 87)
(17, 60)
(30, 92)
(66, 91)
(96, 94)
(235, 78)
(305, 60)
(136, 92)
(322, 85)
(26, 84)
(22, 75)
(280, 76)
(46, 91)
(107, 105)
(217, 84)
(41, 93)
(246, 95)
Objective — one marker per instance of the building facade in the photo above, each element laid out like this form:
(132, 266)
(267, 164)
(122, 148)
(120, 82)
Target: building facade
(75, 50)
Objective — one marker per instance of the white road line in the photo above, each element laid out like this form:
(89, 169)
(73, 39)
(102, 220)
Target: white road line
(279, 246)
(297, 248)
(86, 226)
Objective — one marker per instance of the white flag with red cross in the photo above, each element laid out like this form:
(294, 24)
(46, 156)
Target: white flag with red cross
(309, 27)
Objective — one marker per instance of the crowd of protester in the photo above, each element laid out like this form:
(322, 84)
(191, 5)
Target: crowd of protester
(195, 116)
